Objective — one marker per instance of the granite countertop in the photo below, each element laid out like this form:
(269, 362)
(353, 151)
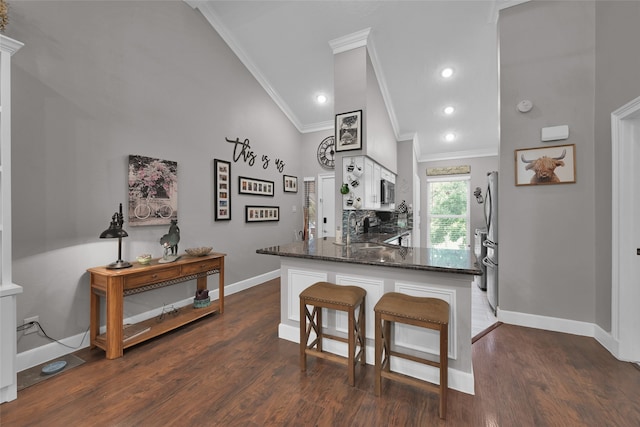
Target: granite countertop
(372, 252)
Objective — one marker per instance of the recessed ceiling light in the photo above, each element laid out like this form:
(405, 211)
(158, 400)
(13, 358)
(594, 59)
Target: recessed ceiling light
(450, 137)
(321, 99)
(447, 72)
(449, 110)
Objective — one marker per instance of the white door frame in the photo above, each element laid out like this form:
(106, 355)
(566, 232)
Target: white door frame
(625, 291)
(320, 204)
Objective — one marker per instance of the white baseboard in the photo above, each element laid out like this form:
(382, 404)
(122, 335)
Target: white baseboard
(555, 324)
(607, 341)
(53, 350)
(562, 325)
(458, 380)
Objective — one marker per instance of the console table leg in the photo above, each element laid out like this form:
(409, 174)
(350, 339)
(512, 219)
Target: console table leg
(94, 322)
(115, 312)
(221, 286)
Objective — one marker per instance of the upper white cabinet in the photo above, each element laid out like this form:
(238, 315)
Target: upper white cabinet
(8, 290)
(372, 173)
(362, 176)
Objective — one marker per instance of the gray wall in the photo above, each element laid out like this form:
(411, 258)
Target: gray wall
(97, 81)
(617, 83)
(356, 87)
(547, 239)
(309, 150)
(407, 168)
(381, 140)
(479, 168)
(578, 62)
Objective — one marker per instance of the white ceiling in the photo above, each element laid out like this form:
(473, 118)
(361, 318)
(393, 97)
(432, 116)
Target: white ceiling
(285, 44)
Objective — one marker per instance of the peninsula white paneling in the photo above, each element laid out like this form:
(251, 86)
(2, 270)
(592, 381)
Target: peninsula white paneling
(422, 339)
(374, 288)
(299, 280)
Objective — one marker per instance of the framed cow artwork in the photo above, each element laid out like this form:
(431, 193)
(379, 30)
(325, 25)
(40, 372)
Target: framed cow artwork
(546, 165)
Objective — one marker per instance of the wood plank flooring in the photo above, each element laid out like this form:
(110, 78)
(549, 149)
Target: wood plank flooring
(232, 370)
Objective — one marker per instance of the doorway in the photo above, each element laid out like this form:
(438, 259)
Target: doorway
(326, 205)
(625, 244)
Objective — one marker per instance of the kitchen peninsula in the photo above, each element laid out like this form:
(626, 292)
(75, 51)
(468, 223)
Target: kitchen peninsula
(379, 268)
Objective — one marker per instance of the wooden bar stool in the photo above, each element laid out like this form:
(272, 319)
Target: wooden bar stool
(344, 298)
(429, 313)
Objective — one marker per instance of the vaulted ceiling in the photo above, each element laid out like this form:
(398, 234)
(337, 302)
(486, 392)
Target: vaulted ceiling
(285, 44)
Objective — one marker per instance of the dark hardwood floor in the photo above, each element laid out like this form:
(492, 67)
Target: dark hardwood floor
(232, 370)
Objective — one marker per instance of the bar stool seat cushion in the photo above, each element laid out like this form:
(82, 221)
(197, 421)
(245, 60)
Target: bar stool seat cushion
(423, 309)
(330, 293)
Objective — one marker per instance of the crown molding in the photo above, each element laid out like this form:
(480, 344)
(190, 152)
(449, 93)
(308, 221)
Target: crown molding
(350, 41)
(10, 45)
(316, 127)
(498, 5)
(212, 17)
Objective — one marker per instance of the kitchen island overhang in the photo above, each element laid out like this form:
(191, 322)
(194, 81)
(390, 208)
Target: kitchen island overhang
(444, 274)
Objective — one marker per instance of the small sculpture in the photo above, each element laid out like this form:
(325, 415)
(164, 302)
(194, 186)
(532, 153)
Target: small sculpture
(201, 299)
(202, 294)
(170, 242)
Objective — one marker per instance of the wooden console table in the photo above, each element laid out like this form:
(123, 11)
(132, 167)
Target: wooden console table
(114, 285)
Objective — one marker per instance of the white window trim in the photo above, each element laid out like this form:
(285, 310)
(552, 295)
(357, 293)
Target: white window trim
(467, 216)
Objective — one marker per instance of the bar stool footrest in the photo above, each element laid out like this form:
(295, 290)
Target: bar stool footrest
(328, 356)
(411, 381)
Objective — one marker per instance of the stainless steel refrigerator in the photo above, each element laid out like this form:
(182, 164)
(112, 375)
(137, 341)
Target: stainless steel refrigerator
(491, 242)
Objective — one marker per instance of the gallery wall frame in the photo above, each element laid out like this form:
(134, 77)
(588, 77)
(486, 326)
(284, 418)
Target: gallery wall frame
(222, 189)
(255, 186)
(546, 165)
(261, 213)
(348, 131)
(290, 184)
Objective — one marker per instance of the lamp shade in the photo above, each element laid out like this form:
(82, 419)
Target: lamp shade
(115, 231)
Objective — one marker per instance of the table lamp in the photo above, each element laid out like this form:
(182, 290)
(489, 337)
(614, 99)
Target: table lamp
(115, 230)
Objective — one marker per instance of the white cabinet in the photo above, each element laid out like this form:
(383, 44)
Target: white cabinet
(8, 290)
(372, 172)
(389, 176)
(362, 175)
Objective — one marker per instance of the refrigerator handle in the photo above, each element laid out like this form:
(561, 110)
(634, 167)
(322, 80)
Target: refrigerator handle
(489, 244)
(487, 262)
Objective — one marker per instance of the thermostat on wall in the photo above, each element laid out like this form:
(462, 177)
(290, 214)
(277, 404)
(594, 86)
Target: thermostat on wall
(555, 133)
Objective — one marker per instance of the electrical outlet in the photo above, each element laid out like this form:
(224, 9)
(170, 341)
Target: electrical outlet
(33, 328)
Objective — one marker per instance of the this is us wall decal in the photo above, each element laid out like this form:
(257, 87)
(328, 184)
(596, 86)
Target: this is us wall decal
(242, 151)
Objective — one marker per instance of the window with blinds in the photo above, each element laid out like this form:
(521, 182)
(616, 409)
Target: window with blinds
(448, 219)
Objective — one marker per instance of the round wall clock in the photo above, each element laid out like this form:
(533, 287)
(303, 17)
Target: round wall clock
(327, 152)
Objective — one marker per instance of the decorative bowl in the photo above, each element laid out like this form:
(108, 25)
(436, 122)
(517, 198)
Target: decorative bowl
(198, 251)
(144, 259)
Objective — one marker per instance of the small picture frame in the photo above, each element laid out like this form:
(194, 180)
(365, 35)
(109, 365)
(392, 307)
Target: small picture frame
(222, 189)
(261, 213)
(254, 186)
(349, 131)
(546, 165)
(290, 184)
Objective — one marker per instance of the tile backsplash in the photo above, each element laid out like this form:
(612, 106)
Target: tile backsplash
(390, 221)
